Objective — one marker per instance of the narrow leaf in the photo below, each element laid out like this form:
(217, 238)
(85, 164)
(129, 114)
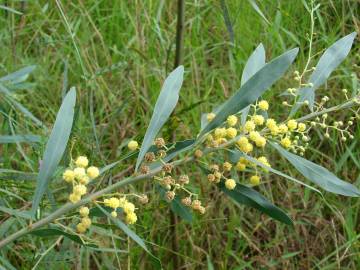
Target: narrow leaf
(318, 174)
(164, 106)
(248, 196)
(253, 88)
(28, 138)
(18, 76)
(255, 62)
(55, 146)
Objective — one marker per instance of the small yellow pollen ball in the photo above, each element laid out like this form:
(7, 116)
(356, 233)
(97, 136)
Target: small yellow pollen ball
(249, 126)
(231, 132)
(81, 228)
(93, 172)
(69, 176)
(255, 180)
(80, 190)
(263, 105)
(230, 184)
(227, 166)
(301, 127)
(79, 172)
(231, 120)
(74, 197)
(258, 120)
(133, 145)
(240, 166)
(286, 142)
(86, 222)
(292, 124)
(114, 214)
(82, 161)
(84, 211)
(131, 218)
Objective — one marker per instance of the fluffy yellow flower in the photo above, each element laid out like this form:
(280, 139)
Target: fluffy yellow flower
(271, 123)
(69, 176)
(114, 214)
(260, 141)
(230, 184)
(86, 222)
(283, 128)
(242, 141)
(74, 197)
(286, 142)
(131, 218)
(243, 160)
(92, 172)
(133, 145)
(249, 126)
(264, 161)
(84, 180)
(231, 133)
(81, 228)
(231, 120)
(258, 120)
(247, 148)
(210, 116)
(112, 202)
(227, 166)
(255, 180)
(263, 105)
(80, 190)
(129, 207)
(274, 130)
(301, 127)
(79, 172)
(84, 211)
(292, 124)
(82, 162)
(240, 166)
(254, 135)
(220, 132)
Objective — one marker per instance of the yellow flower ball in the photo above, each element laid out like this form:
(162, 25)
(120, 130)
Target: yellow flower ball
(243, 160)
(114, 214)
(301, 127)
(230, 184)
(129, 207)
(69, 176)
(249, 126)
(112, 202)
(74, 197)
(130, 218)
(82, 161)
(79, 172)
(264, 161)
(292, 124)
(92, 172)
(274, 130)
(231, 133)
(271, 123)
(254, 180)
(210, 116)
(263, 105)
(242, 141)
(260, 141)
(86, 222)
(227, 166)
(231, 120)
(247, 148)
(80, 190)
(258, 120)
(283, 128)
(286, 142)
(84, 180)
(240, 166)
(84, 211)
(81, 228)
(253, 135)
(133, 145)
(220, 132)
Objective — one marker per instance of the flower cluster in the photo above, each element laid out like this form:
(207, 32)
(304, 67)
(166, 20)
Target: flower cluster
(127, 207)
(85, 220)
(79, 175)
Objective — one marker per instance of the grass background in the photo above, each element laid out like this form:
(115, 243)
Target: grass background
(117, 54)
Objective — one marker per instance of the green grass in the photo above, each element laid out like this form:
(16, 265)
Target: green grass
(118, 54)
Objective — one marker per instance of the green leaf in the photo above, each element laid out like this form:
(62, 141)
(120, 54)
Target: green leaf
(209, 263)
(328, 62)
(318, 175)
(177, 207)
(18, 76)
(253, 88)
(56, 231)
(16, 213)
(132, 235)
(248, 196)
(55, 146)
(164, 106)
(28, 138)
(255, 62)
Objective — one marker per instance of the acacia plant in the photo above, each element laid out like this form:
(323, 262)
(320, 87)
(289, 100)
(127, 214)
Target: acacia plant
(232, 150)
